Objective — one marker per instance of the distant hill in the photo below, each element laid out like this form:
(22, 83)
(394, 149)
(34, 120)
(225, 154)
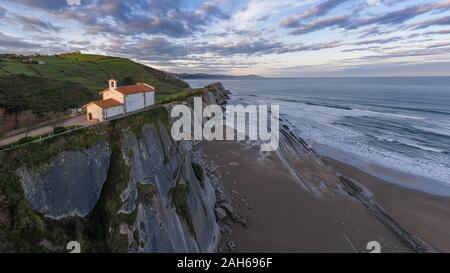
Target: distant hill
(213, 76)
(55, 83)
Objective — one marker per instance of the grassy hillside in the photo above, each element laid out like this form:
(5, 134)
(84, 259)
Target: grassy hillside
(54, 83)
(41, 95)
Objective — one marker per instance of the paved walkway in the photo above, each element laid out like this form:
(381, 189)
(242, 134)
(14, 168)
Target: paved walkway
(78, 120)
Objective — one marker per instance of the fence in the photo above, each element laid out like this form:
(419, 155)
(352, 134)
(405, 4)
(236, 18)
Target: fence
(51, 135)
(40, 139)
(38, 125)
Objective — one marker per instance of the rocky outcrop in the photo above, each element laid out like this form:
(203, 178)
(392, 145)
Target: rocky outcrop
(179, 217)
(119, 186)
(294, 149)
(217, 95)
(155, 160)
(70, 184)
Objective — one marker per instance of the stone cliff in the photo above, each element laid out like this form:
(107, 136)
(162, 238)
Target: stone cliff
(121, 186)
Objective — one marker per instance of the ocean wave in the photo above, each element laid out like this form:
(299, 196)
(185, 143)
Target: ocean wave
(329, 105)
(390, 114)
(440, 131)
(335, 106)
(415, 125)
(411, 109)
(410, 144)
(383, 126)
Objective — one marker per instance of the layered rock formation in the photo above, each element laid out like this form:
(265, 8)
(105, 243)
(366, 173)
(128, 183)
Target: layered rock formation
(70, 184)
(122, 186)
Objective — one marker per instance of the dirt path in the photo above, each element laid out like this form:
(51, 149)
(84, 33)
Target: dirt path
(78, 120)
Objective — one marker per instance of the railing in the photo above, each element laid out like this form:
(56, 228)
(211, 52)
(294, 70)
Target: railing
(44, 137)
(39, 125)
(41, 138)
(10, 147)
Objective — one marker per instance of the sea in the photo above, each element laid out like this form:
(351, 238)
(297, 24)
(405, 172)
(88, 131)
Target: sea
(395, 128)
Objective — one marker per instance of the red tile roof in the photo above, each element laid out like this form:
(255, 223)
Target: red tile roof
(133, 89)
(107, 103)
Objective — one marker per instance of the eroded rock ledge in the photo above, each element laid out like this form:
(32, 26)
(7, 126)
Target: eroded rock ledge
(121, 186)
(70, 184)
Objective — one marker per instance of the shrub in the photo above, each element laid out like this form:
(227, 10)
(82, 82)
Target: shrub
(25, 140)
(198, 171)
(59, 130)
(179, 201)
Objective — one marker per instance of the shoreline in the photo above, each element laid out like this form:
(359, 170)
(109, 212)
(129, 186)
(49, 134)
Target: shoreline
(282, 216)
(397, 177)
(425, 215)
(304, 206)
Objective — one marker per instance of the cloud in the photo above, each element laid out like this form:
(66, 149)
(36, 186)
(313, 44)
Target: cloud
(33, 23)
(134, 17)
(49, 5)
(30, 23)
(373, 2)
(160, 49)
(8, 42)
(212, 9)
(443, 21)
(299, 47)
(339, 21)
(349, 22)
(400, 16)
(220, 35)
(361, 49)
(80, 43)
(2, 12)
(433, 50)
(380, 41)
(154, 49)
(316, 11)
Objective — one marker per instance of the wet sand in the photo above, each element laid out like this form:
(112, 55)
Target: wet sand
(311, 212)
(424, 215)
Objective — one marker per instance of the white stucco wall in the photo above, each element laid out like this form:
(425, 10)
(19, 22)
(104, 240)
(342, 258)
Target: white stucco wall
(113, 94)
(96, 111)
(114, 111)
(149, 98)
(134, 102)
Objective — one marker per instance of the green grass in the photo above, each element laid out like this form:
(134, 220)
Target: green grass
(179, 195)
(102, 226)
(145, 192)
(198, 171)
(69, 81)
(37, 154)
(166, 98)
(135, 123)
(41, 95)
(30, 227)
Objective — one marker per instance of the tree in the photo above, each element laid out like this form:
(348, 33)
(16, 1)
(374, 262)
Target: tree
(127, 81)
(55, 117)
(8, 122)
(26, 119)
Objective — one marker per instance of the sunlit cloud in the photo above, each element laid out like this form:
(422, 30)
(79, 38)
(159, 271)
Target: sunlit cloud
(238, 37)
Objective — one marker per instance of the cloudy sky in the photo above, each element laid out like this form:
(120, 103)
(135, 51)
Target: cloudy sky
(290, 38)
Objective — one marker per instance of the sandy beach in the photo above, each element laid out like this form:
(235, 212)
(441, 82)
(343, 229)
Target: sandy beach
(425, 215)
(307, 205)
